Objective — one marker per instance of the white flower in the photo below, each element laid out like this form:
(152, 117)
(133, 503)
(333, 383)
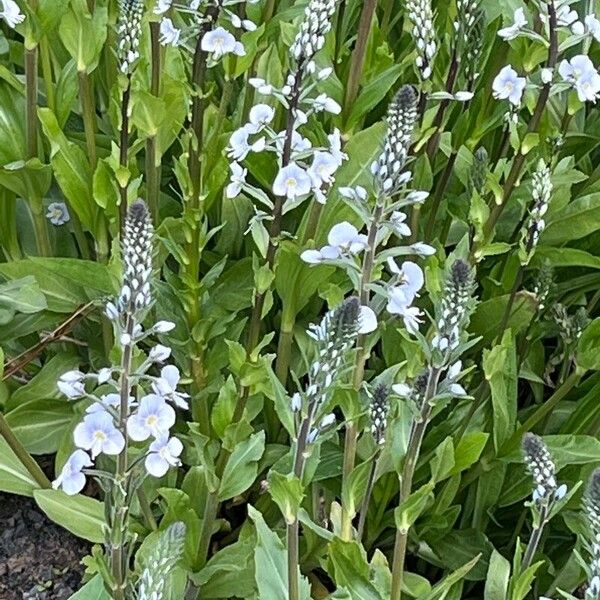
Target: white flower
(581, 73)
(507, 84)
(327, 421)
(104, 375)
(296, 402)
(422, 249)
(154, 417)
(593, 26)
(162, 6)
(402, 389)
(509, 33)
(457, 390)
(357, 193)
(346, 237)
(410, 314)
(324, 73)
(159, 353)
(219, 42)
(322, 169)
(315, 257)
(397, 220)
(11, 13)
(58, 213)
(238, 179)
(71, 479)
(71, 384)
(546, 75)
(111, 311)
(565, 17)
(169, 34)
(261, 85)
(292, 182)
(335, 146)
(98, 434)
(163, 327)
(239, 147)
(454, 370)
(464, 96)
(260, 115)
(299, 143)
(163, 453)
(324, 103)
(410, 276)
(367, 320)
(166, 386)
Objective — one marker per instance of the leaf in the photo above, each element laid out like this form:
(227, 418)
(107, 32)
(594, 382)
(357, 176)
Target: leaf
(14, 477)
(409, 511)
(40, 424)
(588, 347)
(496, 583)
(242, 466)
(92, 590)
(22, 295)
(469, 450)
(287, 492)
(442, 462)
(578, 219)
(500, 369)
(271, 563)
(440, 589)
(81, 515)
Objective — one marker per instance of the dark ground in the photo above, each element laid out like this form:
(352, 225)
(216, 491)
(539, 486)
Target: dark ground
(38, 559)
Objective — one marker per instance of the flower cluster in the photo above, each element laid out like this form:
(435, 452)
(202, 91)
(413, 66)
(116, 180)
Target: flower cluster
(541, 193)
(592, 509)
(581, 74)
(11, 13)
(113, 414)
(420, 14)
(543, 285)
(540, 465)
(129, 33)
(379, 409)
(315, 26)
(334, 337)
(195, 18)
(455, 307)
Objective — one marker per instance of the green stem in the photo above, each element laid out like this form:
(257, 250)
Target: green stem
(284, 351)
(410, 462)
(152, 158)
(31, 91)
(358, 54)
(124, 150)
(24, 457)
(364, 508)
(511, 300)
(88, 114)
(47, 73)
(40, 226)
(534, 540)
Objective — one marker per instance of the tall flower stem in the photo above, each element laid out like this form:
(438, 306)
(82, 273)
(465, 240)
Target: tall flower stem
(31, 91)
(358, 54)
(47, 73)
(351, 435)
(21, 453)
(519, 160)
(152, 158)
(415, 441)
(362, 515)
(534, 540)
(118, 551)
(124, 149)
(88, 114)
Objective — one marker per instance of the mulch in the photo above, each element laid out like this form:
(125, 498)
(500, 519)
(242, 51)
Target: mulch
(38, 559)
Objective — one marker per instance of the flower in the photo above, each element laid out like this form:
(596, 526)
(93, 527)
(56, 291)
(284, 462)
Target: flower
(219, 42)
(163, 453)
(169, 34)
(358, 194)
(343, 239)
(335, 146)
(323, 167)
(58, 213)
(397, 220)
(260, 115)
(261, 86)
(367, 320)
(292, 182)
(581, 73)
(239, 147)
(411, 279)
(154, 417)
(510, 33)
(71, 479)
(593, 26)
(398, 305)
(546, 75)
(422, 249)
(98, 434)
(299, 143)
(112, 400)
(163, 327)
(463, 96)
(159, 353)
(166, 386)
(71, 384)
(238, 179)
(508, 85)
(11, 13)
(324, 103)
(162, 6)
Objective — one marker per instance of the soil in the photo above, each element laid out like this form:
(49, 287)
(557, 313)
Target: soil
(38, 559)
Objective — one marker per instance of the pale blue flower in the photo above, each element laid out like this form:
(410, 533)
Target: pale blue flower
(154, 417)
(71, 479)
(58, 213)
(163, 453)
(98, 434)
(166, 387)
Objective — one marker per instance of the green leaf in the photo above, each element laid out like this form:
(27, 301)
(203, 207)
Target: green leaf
(22, 295)
(577, 220)
(92, 590)
(409, 511)
(14, 477)
(81, 515)
(440, 590)
(242, 466)
(148, 112)
(270, 558)
(469, 450)
(443, 461)
(356, 487)
(500, 369)
(287, 492)
(588, 347)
